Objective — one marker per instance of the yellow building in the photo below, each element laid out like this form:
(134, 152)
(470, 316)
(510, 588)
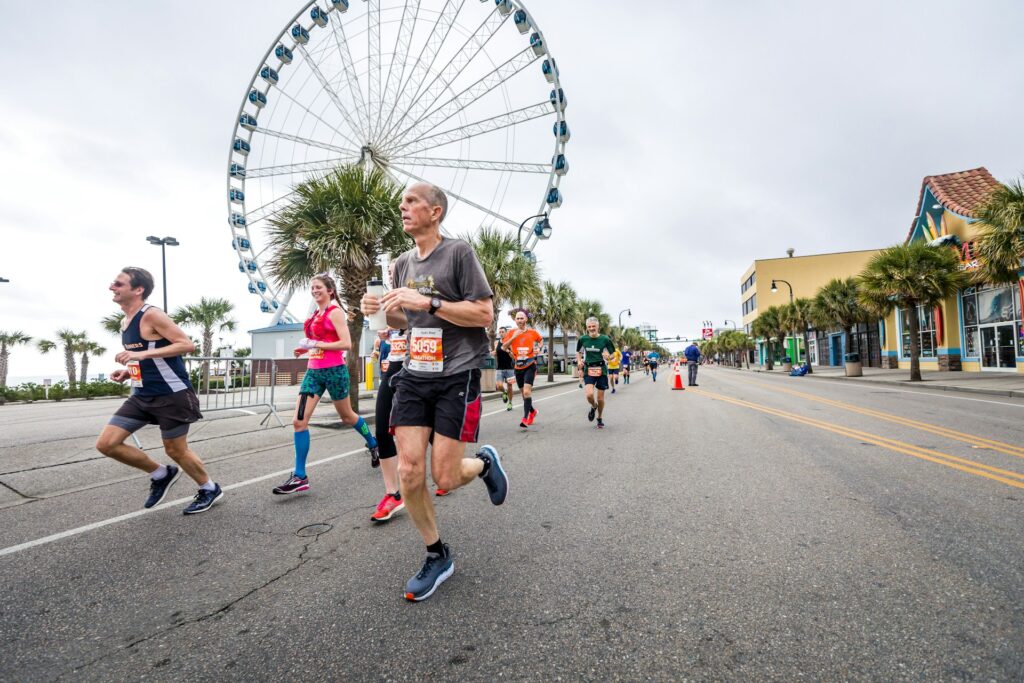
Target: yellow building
(980, 328)
(806, 275)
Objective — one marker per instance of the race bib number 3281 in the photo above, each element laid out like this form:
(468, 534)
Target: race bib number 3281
(426, 352)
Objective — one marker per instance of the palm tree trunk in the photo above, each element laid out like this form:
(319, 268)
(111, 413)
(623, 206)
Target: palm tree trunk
(352, 359)
(207, 352)
(85, 368)
(551, 347)
(565, 348)
(4, 354)
(69, 365)
(807, 350)
(769, 354)
(915, 344)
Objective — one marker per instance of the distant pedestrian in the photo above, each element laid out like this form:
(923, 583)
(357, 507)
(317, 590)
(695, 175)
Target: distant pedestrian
(692, 354)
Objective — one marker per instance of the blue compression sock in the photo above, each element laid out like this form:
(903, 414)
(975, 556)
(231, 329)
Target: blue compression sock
(364, 430)
(301, 452)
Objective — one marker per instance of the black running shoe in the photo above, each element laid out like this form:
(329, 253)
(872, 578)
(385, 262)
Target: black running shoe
(374, 456)
(600, 423)
(204, 500)
(592, 413)
(158, 488)
(493, 475)
(435, 570)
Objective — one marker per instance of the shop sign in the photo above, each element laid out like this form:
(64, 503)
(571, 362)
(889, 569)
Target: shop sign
(968, 256)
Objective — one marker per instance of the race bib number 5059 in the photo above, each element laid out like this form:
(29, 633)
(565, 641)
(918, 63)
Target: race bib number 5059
(426, 352)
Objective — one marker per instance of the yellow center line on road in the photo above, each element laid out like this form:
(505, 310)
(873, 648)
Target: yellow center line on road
(964, 465)
(972, 439)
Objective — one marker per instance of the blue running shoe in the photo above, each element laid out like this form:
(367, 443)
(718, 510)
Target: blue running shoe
(204, 500)
(435, 570)
(493, 475)
(158, 488)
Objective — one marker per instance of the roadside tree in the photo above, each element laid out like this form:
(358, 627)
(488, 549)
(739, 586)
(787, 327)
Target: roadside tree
(9, 340)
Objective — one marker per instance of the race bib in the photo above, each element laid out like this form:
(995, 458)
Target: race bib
(399, 348)
(595, 371)
(316, 354)
(135, 374)
(523, 352)
(426, 353)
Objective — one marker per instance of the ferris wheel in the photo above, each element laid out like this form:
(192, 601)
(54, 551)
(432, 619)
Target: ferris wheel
(461, 93)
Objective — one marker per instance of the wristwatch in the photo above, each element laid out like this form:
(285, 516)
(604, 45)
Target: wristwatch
(435, 304)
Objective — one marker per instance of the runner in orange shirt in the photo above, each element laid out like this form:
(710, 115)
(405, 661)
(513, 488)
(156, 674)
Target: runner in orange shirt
(524, 343)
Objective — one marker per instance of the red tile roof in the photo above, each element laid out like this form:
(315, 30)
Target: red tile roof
(962, 192)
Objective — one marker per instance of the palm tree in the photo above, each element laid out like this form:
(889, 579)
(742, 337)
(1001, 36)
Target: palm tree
(86, 347)
(511, 277)
(112, 323)
(68, 340)
(908, 276)
(8, 340)
(552, 307)
(1000, 246)
(210, 316)
(838, 304)
(340, 222)
(768, 324)
(801, 315)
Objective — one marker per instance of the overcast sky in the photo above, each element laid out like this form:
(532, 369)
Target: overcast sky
(705, 135)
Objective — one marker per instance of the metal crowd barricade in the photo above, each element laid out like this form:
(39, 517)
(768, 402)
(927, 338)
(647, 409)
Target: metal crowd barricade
(235, 384)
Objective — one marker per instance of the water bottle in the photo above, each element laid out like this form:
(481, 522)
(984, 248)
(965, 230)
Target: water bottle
(379, 320)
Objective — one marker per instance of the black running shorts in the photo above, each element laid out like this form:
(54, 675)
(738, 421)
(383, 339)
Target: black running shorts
(173, 412)
(451, 405)
(526, 375)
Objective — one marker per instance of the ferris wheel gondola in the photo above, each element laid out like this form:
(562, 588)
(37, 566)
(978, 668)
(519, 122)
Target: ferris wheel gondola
(459, 94)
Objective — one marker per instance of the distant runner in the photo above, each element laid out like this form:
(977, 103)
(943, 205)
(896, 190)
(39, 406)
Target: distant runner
(505, 376)
(652, 360)
(614, 363)
(592, 351)
(627, 360)
(161, 394)
(524, 343)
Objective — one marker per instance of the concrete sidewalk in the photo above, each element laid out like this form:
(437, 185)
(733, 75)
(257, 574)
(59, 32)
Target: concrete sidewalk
(990, 383)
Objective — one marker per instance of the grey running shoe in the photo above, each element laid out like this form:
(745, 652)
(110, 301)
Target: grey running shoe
(204, 500)
(435, 570)
(493, 475)
(158, 488)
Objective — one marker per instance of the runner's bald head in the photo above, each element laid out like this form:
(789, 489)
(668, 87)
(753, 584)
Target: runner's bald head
(434, 195)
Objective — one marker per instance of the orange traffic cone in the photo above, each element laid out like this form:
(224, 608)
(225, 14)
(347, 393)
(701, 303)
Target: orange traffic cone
(677, 380)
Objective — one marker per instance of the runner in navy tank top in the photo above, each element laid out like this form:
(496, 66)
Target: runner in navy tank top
(161, 394)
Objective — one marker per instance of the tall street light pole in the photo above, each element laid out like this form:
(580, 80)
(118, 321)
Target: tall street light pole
(627, 311)
(164, 243)
(731, 322)
(774, 289)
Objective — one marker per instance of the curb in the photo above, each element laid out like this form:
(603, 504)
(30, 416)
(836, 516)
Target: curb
(924, 384)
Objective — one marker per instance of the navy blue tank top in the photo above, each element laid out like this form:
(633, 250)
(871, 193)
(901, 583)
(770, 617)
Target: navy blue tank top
(160, 376)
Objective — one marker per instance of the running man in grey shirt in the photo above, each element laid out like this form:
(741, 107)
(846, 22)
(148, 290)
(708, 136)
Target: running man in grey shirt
(441, 296)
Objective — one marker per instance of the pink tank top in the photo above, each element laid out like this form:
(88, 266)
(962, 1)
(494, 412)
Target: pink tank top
(320, 328)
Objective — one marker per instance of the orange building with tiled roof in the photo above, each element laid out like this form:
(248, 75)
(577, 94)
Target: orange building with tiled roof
(980, 329)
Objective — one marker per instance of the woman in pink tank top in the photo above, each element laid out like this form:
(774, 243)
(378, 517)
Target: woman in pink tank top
(326, 341)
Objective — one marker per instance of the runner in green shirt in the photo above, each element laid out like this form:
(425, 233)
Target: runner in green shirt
(593, 350)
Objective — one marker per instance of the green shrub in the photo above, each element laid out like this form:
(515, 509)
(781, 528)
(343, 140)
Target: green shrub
(59, 391)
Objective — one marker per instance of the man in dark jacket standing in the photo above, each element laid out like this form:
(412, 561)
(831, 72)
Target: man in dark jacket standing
(692, 358)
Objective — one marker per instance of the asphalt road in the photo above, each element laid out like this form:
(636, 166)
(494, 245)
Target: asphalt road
(754, 528)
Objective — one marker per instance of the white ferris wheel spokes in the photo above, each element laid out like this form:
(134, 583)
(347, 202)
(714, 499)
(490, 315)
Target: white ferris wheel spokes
(461, 93)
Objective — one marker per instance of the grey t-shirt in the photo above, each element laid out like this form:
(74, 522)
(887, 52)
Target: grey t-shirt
(451, 273)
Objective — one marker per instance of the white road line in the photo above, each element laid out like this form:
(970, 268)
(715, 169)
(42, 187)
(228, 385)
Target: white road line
(10, 550)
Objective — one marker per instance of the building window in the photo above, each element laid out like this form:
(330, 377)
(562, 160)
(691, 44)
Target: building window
(991, 315)
(926, 323)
